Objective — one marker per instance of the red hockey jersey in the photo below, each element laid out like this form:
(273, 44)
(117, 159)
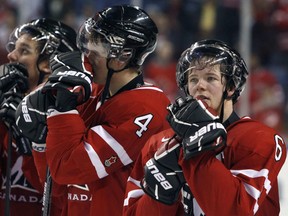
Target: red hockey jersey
(102, 154)
(242, 182)
(26, 190)
(71, 199)
(136, 202)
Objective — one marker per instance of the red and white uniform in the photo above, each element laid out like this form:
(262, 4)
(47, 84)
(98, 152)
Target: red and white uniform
(136, 201)
(26, 190)
(242, 182)
(71, 199)
(100, 150)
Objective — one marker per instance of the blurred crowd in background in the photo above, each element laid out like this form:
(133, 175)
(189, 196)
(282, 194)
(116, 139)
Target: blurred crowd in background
(180, 23)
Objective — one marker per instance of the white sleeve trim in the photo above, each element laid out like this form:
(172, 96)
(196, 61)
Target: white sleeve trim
(95, 160)
(252, 191)
(54, 112)
(133, 194)
(116, 146)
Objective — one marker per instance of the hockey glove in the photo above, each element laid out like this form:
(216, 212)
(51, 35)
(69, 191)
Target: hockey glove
(31, 116)
(13, 75)
(163, 177)
(198, 125)
(186, 115)
(7, 112)
(24, 145)
(70, 80)
(11, 100)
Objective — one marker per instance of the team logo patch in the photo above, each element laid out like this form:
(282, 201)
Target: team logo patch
(110, 161)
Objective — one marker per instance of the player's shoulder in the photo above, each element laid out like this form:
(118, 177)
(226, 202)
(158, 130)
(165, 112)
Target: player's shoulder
(253, 136)
(248, 124)
(149, 90)
(143, 96)
(156, 140)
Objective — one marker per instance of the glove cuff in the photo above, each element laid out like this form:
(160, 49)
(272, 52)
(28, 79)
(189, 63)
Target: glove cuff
(54, 112)
(38, 147)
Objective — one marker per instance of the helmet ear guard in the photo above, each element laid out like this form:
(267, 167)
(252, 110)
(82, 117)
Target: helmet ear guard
(126, 54)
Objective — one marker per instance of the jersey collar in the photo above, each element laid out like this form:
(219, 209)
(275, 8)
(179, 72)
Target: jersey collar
(134, 83)
(232, 118)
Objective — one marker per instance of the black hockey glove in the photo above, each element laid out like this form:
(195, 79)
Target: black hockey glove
(198, 126)
(11, 100)
(70, 82)
(7, 111)
(163, 177)
(31, 116)
(24, 145)
(13, 75)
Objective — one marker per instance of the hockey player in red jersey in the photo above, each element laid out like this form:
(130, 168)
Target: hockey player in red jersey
(211, 161)
(98, 144)
(29, 45)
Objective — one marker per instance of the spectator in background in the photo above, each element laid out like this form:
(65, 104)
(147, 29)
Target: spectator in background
(228, 21)
(182, 20)
(267, 97)
(8, 21)
(28, 9)
(160, 69)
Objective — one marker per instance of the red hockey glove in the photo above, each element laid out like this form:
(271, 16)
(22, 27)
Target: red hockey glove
(163, 177)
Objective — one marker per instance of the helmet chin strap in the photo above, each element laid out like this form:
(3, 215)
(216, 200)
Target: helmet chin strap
(225, 94)
(111, 71)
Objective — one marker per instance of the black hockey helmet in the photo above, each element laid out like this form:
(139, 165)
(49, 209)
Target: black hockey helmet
(53, 36)
(232, 67)
(124, 32)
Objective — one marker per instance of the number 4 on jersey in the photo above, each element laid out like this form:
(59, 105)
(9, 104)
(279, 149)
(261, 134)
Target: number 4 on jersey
(143, 122)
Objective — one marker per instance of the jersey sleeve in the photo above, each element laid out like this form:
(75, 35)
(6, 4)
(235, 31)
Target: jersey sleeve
(78, 155)
(41, 165)
(240, 183)
(136, 201)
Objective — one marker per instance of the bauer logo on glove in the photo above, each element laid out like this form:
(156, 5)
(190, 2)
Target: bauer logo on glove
(71, 81)
(198, 125)
(209, 137)
(163, 178)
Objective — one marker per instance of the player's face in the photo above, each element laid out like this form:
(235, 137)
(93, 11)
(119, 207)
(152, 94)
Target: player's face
(26, 53)
(207, 84)
(99, 67)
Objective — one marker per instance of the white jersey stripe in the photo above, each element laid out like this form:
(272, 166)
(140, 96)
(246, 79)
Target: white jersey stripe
(133, 194)
(95, 160)
(252, 191)
(117, 147)
(148, 88)
(136, 182)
